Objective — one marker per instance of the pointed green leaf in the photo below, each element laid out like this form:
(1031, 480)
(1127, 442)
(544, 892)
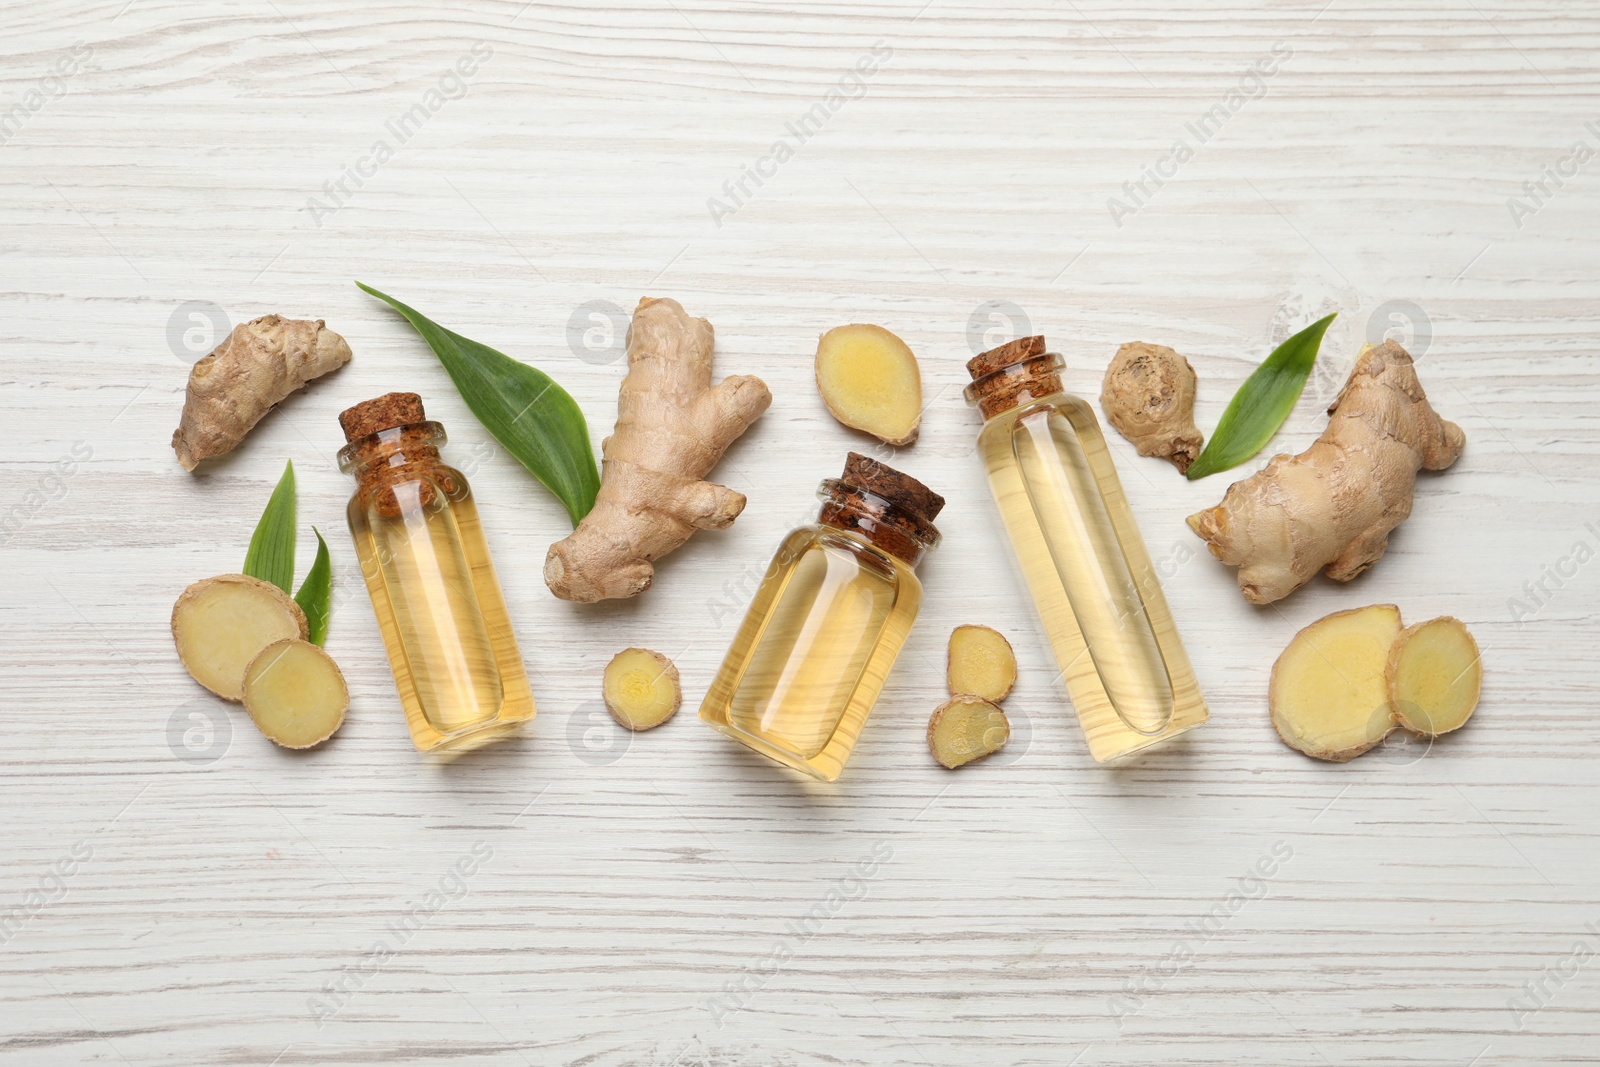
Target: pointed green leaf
(316, 592)
(533, 417)
(1262, 403)
(271, 555)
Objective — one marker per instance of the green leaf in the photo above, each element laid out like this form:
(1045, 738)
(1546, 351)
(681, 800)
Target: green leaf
(534, 418)
(1262, 403)
(316, 592)
(271, 555)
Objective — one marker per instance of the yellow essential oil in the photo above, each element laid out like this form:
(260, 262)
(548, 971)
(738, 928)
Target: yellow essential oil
(1081, 555)
(827, 622)
(432, 583)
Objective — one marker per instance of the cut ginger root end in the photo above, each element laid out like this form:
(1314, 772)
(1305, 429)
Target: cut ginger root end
(870, 381)
(1434, 676)
(1329, 696)
(1148, 396)
(295, 694)
(966, 728)
(221, 624)
(641, 688)
(252, 370)
(981, 663)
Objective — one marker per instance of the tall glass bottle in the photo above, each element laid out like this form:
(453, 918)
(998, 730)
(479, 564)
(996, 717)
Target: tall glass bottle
(433, 586)
(1081, 554)
(828, 621)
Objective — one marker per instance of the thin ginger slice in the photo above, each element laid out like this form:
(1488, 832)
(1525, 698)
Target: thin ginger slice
(1328, 696)
(1434, 676)
(220, 624)
(295, 694)
(870, 381)
(641, 688)
(981, 663)
(966, 728)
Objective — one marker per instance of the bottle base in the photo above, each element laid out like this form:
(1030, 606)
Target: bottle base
(824, 770)
(469, 738)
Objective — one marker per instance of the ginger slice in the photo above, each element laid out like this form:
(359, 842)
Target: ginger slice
(1434, 676)
(220, 624)
(295, 694)
(966, 728)
(1148, 396)
(641, 688)
(981, 663)
(870, 381)
(1328, 695)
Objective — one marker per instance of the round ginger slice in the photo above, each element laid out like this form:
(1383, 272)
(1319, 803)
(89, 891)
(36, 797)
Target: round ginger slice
(295, 694)
(870, 381)
(641, 688)
(1328, 696)
(220, 624)
(981, 663)
(966, 728)
(1434, 675)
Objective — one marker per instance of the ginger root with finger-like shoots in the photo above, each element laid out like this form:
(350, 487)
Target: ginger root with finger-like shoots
(1333, 506)
(672, 427)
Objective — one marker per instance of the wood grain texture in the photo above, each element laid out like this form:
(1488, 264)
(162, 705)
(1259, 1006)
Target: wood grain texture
(189, 912)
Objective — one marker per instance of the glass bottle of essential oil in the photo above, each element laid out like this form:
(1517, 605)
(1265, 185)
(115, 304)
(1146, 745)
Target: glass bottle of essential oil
(1081, 554)
(433, 586)
(828, 621)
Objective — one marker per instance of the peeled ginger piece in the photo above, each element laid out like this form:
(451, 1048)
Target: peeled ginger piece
(870, 381)
(641, 688)
(1434, 676)
(221, 624)
(1329, 697)
(981, 663)
(295, 694)
(966, 728)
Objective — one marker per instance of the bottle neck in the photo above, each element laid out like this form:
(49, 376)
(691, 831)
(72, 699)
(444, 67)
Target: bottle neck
(1016, 384)
(391, 451)
(384, 460)
(896, 530)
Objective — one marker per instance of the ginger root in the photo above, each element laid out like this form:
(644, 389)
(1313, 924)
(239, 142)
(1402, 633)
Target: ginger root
(1148, 395)
(256, 366)
(221, 624)
(295, 694)
(1328, 696)
(641, 688)
(966, 728)
(1332, 506)
(981, 663)
(870, 381)
(1434, 676)
(672, 427)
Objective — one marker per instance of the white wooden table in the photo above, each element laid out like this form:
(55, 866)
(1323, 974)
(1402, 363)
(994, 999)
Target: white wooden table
(181, 895)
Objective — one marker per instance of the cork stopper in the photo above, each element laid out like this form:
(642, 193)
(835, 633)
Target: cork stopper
(1005, 355)
(892, 510)
(901, 490)
(383, 413)
(1012, 373)
(391, 443)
